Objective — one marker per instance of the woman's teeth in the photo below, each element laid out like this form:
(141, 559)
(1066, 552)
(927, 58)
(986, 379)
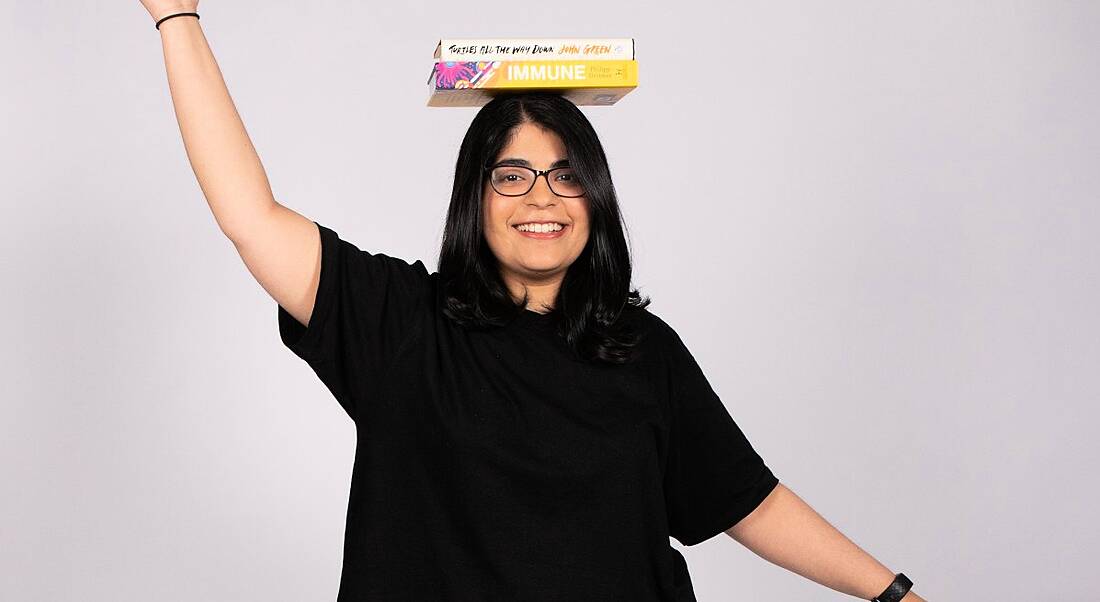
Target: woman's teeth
(539, 227)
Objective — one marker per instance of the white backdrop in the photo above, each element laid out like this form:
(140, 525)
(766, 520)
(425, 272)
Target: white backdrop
(874, 223)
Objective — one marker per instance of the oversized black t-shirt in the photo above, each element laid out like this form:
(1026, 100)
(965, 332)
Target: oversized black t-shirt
(494, 465)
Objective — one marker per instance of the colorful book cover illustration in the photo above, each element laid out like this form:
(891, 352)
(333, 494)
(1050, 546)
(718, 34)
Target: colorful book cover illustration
(516, 49)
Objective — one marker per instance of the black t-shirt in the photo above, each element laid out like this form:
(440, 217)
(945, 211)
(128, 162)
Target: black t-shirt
(495, 465)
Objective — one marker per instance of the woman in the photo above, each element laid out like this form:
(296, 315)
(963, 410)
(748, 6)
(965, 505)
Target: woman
(526, 428)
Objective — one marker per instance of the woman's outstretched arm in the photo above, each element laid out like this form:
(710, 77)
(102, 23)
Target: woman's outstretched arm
(281, 248)
(219, 149)
(787, 532)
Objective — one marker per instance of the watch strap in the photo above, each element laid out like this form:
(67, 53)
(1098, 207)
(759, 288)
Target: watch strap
(896, 590)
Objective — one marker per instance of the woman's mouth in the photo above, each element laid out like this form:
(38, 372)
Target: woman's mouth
(541, 230)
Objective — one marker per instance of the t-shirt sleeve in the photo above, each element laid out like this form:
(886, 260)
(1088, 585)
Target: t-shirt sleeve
(713, 476)
(366, 308)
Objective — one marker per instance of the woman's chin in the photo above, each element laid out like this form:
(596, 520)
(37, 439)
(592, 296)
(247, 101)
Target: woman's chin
(542, 266)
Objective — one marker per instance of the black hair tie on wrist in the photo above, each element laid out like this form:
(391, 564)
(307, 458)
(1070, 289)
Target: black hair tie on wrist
(196, 15)
(896, 590)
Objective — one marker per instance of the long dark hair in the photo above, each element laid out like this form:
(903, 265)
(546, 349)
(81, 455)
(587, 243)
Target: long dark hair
(595, 302)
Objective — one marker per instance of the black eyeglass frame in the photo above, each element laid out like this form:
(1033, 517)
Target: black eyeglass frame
(538, 172)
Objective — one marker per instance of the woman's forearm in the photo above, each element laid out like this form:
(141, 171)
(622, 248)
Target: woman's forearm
(787, 532)
(221, 154)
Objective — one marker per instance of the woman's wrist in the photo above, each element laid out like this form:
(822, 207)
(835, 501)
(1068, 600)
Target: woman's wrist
(177, 21)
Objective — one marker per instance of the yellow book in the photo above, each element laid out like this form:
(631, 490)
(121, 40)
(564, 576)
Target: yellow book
(472, 83)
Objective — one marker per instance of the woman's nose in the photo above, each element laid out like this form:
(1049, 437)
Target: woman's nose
(541, 190)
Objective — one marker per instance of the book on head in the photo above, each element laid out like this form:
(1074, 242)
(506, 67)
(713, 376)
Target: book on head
(601, 77)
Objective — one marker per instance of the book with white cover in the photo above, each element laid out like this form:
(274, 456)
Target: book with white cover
(542, 49)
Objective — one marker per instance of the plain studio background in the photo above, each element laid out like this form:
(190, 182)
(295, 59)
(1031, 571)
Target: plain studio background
(874, 223)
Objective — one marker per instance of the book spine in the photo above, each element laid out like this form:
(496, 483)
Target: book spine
(510, 49)
(499, 75)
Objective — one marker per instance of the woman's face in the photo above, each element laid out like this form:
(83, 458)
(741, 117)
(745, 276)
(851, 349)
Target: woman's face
(536, 259)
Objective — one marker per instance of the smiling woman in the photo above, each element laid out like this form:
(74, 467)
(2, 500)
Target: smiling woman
(526, 428)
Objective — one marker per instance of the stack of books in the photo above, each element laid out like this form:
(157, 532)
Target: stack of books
(587, 71)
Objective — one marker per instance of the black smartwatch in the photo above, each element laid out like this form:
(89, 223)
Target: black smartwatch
(896, 590)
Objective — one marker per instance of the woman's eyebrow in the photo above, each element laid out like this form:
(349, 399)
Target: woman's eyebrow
(526, 163)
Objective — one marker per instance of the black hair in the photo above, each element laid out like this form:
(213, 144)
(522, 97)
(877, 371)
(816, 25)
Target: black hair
(595, 301)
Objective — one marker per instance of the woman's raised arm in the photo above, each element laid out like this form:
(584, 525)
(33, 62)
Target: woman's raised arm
(280, 247)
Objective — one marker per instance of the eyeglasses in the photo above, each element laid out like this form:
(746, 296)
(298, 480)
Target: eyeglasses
(517, 180)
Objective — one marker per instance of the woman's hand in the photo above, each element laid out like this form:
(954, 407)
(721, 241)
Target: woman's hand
(163, 8)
